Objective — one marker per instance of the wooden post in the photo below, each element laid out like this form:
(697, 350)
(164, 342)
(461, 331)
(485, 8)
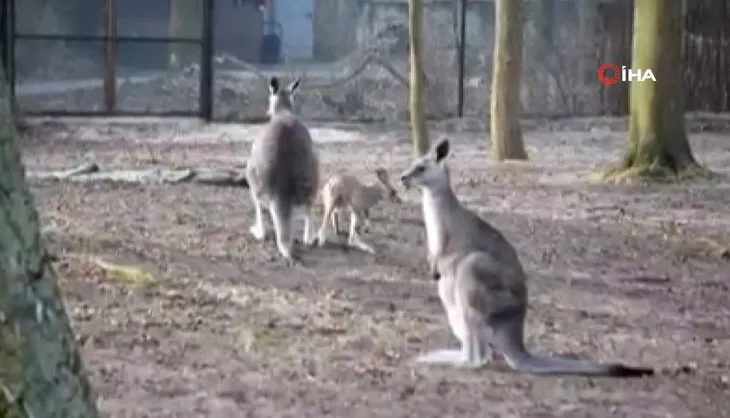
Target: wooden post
(110, 55)
(207, 49)
(462, 59)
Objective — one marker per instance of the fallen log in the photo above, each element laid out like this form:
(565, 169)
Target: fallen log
(92, 173)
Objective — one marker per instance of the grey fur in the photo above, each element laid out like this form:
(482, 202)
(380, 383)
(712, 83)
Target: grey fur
(482, 284)
(283, 171)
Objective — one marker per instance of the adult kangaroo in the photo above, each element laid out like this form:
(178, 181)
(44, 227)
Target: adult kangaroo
(283, 171)
(482, 284)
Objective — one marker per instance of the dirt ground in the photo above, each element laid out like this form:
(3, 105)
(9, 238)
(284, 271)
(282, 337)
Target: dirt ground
(631, 273)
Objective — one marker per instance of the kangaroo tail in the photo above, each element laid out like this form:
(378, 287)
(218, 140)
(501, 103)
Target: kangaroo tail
(518, 358)
(556, 365)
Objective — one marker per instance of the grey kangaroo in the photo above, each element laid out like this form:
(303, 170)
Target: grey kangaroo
(283, 171)
(482, 284)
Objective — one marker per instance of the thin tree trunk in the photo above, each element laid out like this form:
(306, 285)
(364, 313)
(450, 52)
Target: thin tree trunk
(419, 129)
(185, 22)
(41, 374)
(507, 143)
(658, 143)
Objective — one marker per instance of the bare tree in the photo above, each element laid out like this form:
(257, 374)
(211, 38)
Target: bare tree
(507, 142)
(41, 374)
(419, 129)
(185, 22)
(658, 144)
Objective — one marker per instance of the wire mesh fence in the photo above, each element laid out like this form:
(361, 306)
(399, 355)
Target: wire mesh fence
(363, 63)
(353, 57)
(360, 65)
(114, 57)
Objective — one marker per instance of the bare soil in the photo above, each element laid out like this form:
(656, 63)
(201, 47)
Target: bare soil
(630, 273)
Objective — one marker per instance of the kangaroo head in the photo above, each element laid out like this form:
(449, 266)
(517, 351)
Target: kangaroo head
(429, 171)
(281, 98)
(384, 181)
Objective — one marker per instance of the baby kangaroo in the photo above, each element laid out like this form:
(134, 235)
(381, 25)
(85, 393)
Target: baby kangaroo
(347, 192)
(482, 284)
(283, 171)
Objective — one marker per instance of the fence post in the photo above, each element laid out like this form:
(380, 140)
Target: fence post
(110, 55)
(10, 60)
(462, 59)
(207, 50)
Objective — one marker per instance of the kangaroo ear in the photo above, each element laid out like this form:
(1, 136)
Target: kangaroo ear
(441, 150)
(295, 85)
(273, 85)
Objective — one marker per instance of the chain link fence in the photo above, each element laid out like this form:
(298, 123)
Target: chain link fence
(353, 57)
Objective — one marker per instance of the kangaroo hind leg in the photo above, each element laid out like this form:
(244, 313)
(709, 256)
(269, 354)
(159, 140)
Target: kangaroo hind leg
(328, 215)
(308, 236)
(445, 356)
(258, 230)
(281, 217)
(354, 240)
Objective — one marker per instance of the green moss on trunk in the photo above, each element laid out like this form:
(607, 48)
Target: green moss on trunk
(507, 142)
(40, 370)
(419, 129)
(658, 145)
(185, 22)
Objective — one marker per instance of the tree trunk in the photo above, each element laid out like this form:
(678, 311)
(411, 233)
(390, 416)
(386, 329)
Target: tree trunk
(507, 143)
(41, 374)
(185, 22)
(419, 129)
(658, 144)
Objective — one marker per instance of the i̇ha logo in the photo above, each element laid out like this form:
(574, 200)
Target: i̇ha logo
(610, 73)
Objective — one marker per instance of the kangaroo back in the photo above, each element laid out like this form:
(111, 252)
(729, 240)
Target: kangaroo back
(283, 164)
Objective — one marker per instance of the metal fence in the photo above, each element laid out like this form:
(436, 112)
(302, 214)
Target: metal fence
(352, 56)
(77, 72)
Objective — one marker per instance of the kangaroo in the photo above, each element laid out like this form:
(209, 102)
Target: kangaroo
(482, 284)
(283, 171)
(346, 191)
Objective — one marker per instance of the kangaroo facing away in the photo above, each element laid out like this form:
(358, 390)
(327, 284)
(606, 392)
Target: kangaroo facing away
(283, 171)
(482, 284)
(347, 192)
